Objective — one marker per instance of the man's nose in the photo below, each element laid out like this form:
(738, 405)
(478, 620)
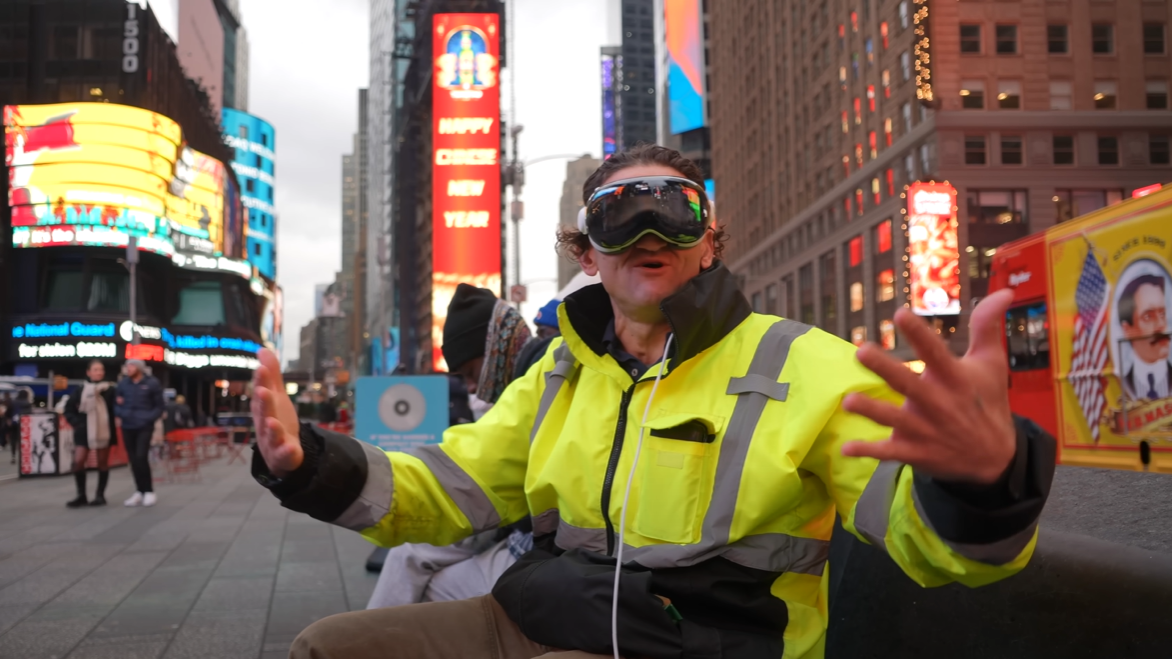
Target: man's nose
(651, 243)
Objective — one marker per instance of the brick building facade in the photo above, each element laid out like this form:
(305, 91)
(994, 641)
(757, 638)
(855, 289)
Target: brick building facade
(1035, 111)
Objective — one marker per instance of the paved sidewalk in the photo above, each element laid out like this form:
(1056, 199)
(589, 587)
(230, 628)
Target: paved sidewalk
(217, 570)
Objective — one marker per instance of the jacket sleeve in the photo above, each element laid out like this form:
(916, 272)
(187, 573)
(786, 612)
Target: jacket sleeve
(472, 481)
(72, 412)
(936, 532)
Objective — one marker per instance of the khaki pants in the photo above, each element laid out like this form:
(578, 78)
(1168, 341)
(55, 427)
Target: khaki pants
(466, 629)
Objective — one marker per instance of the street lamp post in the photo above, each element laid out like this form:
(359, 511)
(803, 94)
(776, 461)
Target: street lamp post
(516, 179)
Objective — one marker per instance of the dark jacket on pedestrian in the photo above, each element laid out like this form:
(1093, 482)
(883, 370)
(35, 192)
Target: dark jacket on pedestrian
(142, 403)
(80, 420)
(178, 416)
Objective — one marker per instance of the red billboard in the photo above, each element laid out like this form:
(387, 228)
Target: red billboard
(933, 251)
(466, 168)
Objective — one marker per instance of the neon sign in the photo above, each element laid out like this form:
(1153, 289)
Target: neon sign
(82, 349)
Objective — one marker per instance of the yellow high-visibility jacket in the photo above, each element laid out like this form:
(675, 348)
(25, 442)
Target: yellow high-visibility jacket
(732, 503)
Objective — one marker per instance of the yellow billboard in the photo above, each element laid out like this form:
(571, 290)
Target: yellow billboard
(1111, 288)
(116, 171)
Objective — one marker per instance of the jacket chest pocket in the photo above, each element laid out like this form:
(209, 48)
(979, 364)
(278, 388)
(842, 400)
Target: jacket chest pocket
(674, 477)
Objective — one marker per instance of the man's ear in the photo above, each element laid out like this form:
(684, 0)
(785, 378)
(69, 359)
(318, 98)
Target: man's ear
(709, 248)
(588, 262)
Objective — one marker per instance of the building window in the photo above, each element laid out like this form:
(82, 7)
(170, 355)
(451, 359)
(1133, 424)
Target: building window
(909, 167)
(886, 83)
(858, 111)
(200, 303)
(256, 249)
(1103, 38)
(980, 261)
(1105, 93)
(1108, 150)
(996, 206)
(887, 334)
(1063, 149)
(859, 155)
(854, 21)
(855, 251)
(845, 121)
(771, 299)
(841, 36)
(1158, 149)
(1011, 150)
(905, 65)
(1153, 38)
(906, 111)
(871, 98)
(1157, 95)
(903, 15)
(109, 291)
(859, 333)
(875, 191)
(887, 131)
(1074, 203)
(1006, 39)
(1028, 337)
(970, 39)
(873, 144)
(755, 301)
(1061, 95)
(882, 32)
(1057, 39)
(250, 185)
(827, 266)
(890, 183)
(859, 201)
(870, 48)
(883, 237)
(857, 296)
(63, 287)
(925, 159)
(885, 286)
(974, 150)
(1009, 94)
(972, 94)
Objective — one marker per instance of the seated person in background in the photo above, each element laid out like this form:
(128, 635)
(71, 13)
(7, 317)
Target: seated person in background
(483, 337)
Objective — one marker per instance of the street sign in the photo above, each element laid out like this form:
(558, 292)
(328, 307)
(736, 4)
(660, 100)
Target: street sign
(398, 413)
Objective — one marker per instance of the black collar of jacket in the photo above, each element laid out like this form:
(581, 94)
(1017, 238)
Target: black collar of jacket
(701, 313)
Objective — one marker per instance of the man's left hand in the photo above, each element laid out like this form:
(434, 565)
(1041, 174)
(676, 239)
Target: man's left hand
(955, 424)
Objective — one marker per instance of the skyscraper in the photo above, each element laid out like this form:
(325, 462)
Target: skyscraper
(627, 76)
(821, 116)
(577, 171)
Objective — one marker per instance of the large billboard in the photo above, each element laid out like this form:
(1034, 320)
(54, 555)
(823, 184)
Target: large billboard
(97, 173)
(254, 141)
(466, 231)
(933, 251)
(685, 64)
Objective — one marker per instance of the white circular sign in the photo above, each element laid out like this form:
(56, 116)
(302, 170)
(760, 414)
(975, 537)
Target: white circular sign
(402, 408)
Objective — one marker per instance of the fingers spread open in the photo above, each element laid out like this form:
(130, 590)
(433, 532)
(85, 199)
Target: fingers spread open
(889, 450)
(898, 418)
(928, 345)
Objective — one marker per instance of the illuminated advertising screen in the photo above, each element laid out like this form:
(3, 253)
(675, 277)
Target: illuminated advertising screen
(610, 136)
(933, 252)
(466, 232)
(254, 141)
(685, 64)
(95, 174)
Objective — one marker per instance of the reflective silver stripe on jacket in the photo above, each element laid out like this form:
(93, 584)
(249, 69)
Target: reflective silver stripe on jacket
(775, 552)
(374, 501)
(873, 509)
(470, 498)
(562, 369)
(991, 553)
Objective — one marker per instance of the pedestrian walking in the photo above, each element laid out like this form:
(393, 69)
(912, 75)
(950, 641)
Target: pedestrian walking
(139, 404)
(90, 410)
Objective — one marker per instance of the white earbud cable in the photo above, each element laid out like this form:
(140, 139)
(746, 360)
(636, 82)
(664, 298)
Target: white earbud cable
(614, 604)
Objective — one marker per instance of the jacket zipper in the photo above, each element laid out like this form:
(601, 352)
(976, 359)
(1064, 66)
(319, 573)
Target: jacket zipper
(612, 466)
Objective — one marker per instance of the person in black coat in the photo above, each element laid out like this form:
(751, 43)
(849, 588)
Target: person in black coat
(90, 410)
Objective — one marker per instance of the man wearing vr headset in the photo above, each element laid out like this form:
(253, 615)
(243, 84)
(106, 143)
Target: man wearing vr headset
(703, 447)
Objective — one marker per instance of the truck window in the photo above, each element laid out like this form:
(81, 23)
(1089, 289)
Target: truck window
(1028, 337)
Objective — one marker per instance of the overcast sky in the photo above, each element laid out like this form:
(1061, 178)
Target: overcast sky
(309, 58)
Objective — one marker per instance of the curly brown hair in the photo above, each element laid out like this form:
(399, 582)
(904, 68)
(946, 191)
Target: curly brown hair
(572, 243)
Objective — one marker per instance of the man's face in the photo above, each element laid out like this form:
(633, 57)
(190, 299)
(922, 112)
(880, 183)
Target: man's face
(470, 371)
(96, 372)
(132, 371)
(1149, 327)
(638, 279)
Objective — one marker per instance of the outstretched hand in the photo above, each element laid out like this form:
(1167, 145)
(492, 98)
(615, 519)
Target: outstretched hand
(275, 418)
(955, 423)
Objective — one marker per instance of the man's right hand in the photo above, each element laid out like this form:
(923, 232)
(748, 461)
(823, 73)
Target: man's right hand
(277, 426)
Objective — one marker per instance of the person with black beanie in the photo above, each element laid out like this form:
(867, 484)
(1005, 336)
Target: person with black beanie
(465, 331)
